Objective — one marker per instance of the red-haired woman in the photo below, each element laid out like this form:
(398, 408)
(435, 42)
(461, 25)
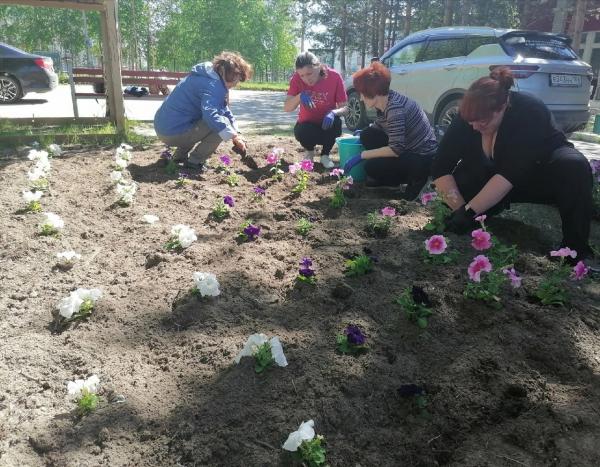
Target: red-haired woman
(400, 144)
(504, 147)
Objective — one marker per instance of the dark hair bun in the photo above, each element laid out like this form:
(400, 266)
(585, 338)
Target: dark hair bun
(504, 76)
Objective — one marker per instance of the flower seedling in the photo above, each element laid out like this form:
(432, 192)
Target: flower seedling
(66, 259)
(379, 223)
(305, 446)
(343, 183)
(205, 284)
(513, 277)
(551, 290)
(358, 266)
(304, 226)
(258, 194)
(274, 159)
(435, 250)
(220, 210)
(232, 179)
(229, 201)
(116, 176)
(85, 392)
(79, 304)
(249, 231)
(305, 273)
(301, 170)
(183, 179)
(150, 219)
(52, 225)
(182, 236)
(440, 212)
(498, 253)
(37, 179)
(428, 197)
(224, 164)
(266, 352)
(352, 341)
(126, 192)
(486, 288)
(32, 198)
(54, 150)
(416, 305)
(170, 165)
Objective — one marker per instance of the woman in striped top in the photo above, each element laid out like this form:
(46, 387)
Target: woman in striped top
(400, 144)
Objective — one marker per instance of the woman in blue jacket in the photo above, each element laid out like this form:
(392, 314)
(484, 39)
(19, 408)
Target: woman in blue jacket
(195, 117)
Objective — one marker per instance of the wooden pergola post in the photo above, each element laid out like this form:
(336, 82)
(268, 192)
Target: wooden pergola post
(111, 47)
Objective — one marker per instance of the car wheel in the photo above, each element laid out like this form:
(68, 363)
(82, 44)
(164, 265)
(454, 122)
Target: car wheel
(356, 116)
(447, 114)
(10, 90)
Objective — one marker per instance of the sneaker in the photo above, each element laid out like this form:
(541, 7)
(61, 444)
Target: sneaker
(327, 162)
(309, 154)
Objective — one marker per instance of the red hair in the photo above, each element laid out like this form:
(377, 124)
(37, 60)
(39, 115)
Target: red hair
(487, 95)
(373, 80)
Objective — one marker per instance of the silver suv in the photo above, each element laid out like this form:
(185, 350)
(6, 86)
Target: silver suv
(436, 66)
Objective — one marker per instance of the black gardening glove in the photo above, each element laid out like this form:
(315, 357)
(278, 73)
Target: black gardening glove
(461, 221)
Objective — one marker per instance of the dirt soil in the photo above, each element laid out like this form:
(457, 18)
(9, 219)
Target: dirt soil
(516, 386)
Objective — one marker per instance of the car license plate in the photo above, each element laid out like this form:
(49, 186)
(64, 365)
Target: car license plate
(565, 80)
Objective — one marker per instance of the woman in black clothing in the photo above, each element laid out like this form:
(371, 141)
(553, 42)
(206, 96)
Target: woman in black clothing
(503, 147)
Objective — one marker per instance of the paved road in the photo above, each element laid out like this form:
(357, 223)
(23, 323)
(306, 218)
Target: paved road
(254, 110)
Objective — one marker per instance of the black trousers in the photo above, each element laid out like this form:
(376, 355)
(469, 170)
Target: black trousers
(310, 134)
(410, 168)
(565, 181)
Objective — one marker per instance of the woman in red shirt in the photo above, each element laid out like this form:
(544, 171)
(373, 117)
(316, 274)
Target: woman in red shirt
(320, 93)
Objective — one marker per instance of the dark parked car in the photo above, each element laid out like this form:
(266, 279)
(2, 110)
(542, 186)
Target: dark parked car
(22, 72)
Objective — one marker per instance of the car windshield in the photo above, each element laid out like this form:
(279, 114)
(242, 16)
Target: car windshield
(538, 46)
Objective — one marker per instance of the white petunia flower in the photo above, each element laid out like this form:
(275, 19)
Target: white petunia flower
(184, 234)
(54, 221)
(70, 305)
(43, 165)
(78, 387)
(31, 196)
(150, 218)
(123, 152)
(36, 174)
(207, 284)
(120, 164)
(89, 294)
(125, 147)
(35, 155)
(255, 341)
(116, 176)
(126, 192)
(68, 257)
(54, 150)
(305, 432)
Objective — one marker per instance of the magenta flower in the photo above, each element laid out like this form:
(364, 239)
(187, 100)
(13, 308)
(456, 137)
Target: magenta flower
(579, 271)
(225, 159)
(515, 279)
(337, 172)
(428, 197)
(293, 168)
(480, 264)
(564, 252)
(481, 218)
(272, 158)
(348, 182)
(307, 165)
(481, 239)
(436, 245)
(388, 211)
(229, 201)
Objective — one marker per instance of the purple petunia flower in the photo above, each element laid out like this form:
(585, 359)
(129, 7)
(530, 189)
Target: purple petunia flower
(306, 272)
(184, 175)
(166, 154)
(355, 335)
(306, 262)
(225, 159)
(259, 191)
(252, 231)
(229, 201)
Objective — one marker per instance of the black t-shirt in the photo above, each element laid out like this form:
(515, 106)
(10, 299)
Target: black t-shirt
(526, 137)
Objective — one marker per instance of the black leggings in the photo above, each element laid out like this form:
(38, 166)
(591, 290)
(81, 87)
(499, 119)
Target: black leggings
(565, 180)
(409, 167)
(310, 134)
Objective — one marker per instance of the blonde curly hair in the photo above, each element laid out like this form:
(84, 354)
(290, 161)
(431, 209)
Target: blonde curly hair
(231, 65)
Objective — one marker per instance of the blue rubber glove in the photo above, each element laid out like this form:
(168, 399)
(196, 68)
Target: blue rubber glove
(357, 133)
(351, 163)
(306, 100)
(328, 120)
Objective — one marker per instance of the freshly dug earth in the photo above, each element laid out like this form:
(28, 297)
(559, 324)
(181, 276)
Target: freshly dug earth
(513, 386)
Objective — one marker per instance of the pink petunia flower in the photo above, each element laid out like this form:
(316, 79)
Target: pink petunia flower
(348, 182)
(515, 279)
(294, 167)
(428, 197)
(272, 158)
(481, 218)
(579, 271)
(481, 239)
(388, 211)
(480, 264)
(307, 165)
(436, 245)
(564, 252)
(337, 172)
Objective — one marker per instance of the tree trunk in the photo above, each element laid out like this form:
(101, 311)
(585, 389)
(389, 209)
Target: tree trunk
(560, 16)
(407, 18)
(466, 12)
(343, 38)
(448, 12)
(381, 31)
(577, 24)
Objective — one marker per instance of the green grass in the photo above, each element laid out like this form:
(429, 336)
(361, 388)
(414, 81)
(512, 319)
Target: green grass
(261, 86)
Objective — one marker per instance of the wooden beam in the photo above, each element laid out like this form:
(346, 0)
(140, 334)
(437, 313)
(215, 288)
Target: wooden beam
(77, 4)
(112, 64)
